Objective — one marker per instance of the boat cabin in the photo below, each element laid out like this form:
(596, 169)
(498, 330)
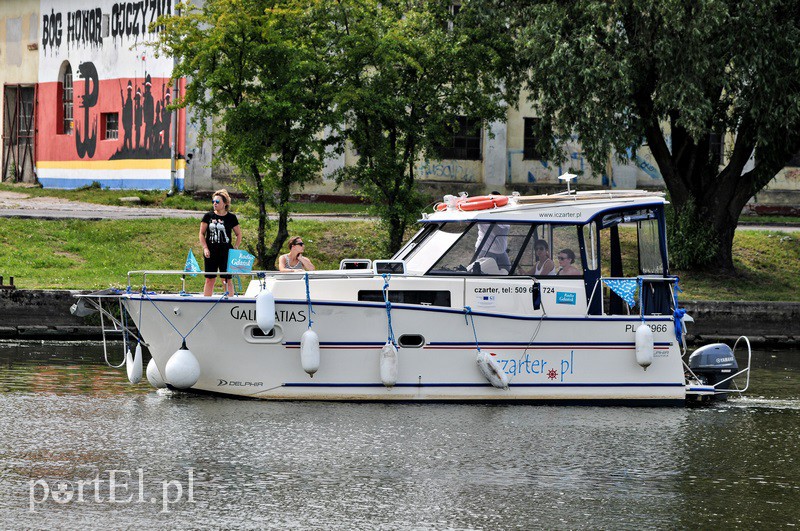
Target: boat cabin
(571, 244)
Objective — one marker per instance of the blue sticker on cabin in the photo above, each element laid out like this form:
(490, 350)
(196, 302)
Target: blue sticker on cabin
(565, 297)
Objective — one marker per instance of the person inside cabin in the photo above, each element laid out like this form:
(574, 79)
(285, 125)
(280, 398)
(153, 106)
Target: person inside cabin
(566, 261)
(544, 264)
(294, 261)
(497, 245)
(216, 238)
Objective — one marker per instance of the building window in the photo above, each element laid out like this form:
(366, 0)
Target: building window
(795, 160)
(465, 142)
(110, 124)
(66, 101)
(529, 150)
(452, 12)
(716, 149)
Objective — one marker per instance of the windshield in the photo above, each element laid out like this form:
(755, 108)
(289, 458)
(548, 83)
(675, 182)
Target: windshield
(481, 248)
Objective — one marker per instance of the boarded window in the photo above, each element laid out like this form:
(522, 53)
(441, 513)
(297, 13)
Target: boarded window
(529, 149)
(110, 123)
(66, 102)
(465, 142)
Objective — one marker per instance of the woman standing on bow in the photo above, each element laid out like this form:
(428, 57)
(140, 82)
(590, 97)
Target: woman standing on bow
(216, 238)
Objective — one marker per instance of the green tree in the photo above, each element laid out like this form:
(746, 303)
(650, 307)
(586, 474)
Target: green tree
(408, 68)
(677, 74)
(259, 81)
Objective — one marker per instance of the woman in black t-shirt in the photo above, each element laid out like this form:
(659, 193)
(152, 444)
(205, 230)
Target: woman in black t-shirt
(216, 238)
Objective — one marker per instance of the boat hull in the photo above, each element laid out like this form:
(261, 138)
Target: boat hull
(565, 359)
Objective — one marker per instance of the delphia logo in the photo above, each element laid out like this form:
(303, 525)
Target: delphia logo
(116, 487)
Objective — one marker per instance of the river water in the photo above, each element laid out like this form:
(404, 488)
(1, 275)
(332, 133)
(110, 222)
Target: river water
(80, 447)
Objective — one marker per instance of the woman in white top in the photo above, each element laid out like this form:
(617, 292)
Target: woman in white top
(544, 265)
(294, 261)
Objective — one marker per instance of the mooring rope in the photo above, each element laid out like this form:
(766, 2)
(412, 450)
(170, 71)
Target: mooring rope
(145, 294)
(468, 313)
(390, 338)
(308, 300)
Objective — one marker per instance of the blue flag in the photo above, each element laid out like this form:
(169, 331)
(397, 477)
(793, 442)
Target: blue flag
(240, 262)
(625, 288)
(191, 264)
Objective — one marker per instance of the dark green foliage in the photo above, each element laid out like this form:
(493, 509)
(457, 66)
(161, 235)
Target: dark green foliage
(692, 242)
(260, 84)
(669, 73)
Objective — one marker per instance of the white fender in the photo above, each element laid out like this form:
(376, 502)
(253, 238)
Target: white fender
(182, 370)
(644, 345)
(309, 351)
(134, 365)
(154, 375)
(265, 311)
(492, 371)
(389, 364)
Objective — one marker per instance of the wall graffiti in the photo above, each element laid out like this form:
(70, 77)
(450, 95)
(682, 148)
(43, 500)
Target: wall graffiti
(90, 26)
(146, 121)
(117, 128)
(445, 169)
(87, 143)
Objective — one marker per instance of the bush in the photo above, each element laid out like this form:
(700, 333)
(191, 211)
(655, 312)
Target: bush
(692, 241)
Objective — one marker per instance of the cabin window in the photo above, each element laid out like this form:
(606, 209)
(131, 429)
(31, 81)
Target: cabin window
(484, 249)
(591, 243)
(650, 262)
(428, 245)
(632, 244)
(422, 297)
(462, 253)
(567, 251)
(539, 237)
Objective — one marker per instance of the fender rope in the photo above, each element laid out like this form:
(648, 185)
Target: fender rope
(183, 337)
(468, 313)
(308, 299)
(390, 338)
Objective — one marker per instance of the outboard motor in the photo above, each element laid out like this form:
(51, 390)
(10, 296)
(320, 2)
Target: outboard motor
(713, 363)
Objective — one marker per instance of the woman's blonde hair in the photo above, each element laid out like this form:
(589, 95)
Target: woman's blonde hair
(293, 240)
(226, 198)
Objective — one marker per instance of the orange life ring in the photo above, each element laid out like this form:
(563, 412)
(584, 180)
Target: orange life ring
(440, 207)
(482, 202)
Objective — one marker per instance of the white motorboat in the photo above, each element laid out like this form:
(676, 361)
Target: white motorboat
(466, 311)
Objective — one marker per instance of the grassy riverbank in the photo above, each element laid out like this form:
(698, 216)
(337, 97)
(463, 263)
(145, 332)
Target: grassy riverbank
(160, 199)
(76, 254)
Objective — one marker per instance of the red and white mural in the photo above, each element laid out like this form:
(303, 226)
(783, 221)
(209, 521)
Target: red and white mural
(104, 96)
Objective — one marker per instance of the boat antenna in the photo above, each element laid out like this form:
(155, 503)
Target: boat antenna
(568, 177)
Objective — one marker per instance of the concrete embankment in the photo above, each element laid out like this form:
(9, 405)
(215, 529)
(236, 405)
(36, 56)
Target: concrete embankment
(44, 314)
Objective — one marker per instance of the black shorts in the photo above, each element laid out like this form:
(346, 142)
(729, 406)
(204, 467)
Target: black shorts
(218, 261)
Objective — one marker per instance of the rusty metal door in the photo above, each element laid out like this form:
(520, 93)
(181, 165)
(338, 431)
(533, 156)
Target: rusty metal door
(19, 130)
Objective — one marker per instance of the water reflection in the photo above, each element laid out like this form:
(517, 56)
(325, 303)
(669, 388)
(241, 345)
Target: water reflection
(68, 418)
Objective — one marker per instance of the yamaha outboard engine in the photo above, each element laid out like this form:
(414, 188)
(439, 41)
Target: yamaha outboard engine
(713, 363)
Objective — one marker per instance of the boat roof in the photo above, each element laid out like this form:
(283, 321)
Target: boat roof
(572, 208)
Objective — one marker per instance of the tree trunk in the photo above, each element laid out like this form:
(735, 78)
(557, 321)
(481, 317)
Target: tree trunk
(397, 230)
(284, 194)
(261, 199)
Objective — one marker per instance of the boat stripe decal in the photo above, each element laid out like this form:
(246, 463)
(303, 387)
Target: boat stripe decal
(624, 384)
(413, 307)
(470, 345)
